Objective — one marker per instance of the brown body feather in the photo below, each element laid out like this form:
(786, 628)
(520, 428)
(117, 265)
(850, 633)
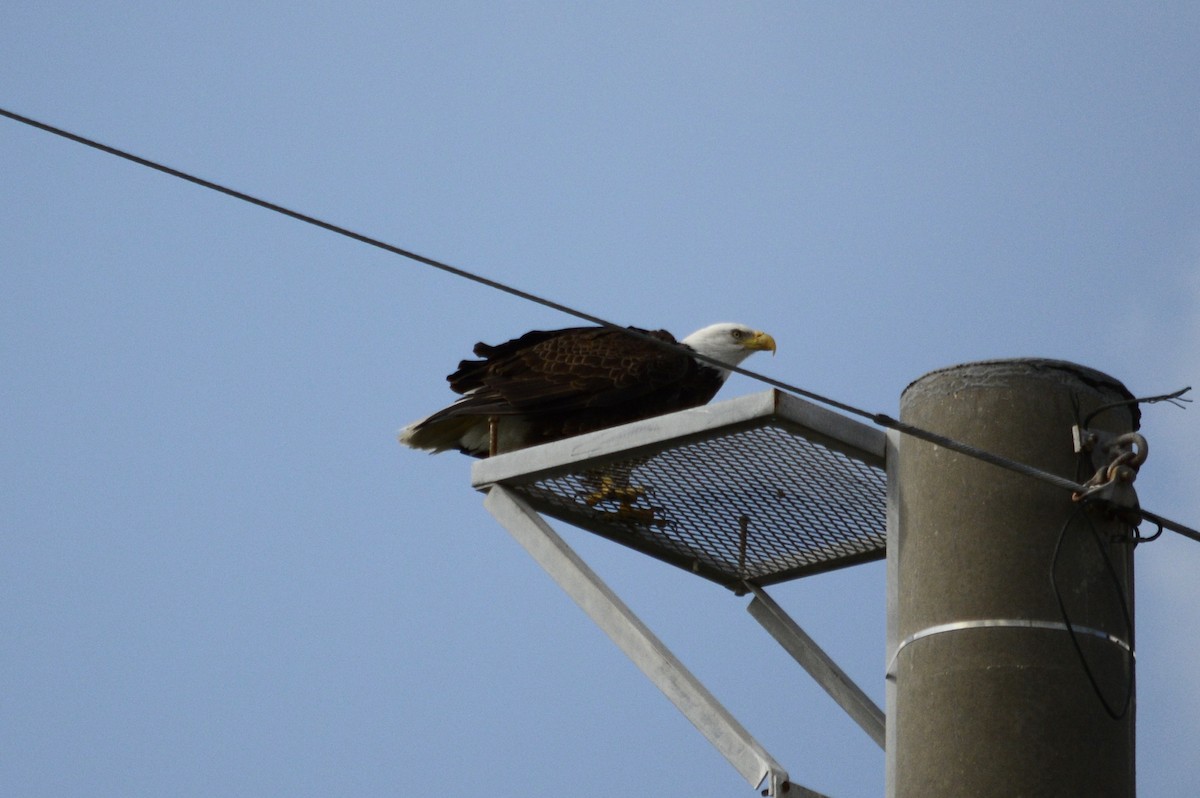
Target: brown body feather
(567, 382)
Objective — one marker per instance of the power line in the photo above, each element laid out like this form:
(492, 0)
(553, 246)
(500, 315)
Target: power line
(303, 217)
(880, 419)
(406, 253)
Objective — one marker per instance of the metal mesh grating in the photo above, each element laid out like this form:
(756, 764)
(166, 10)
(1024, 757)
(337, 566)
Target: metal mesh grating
(763, 499)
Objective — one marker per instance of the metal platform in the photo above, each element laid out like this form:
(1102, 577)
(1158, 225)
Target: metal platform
(760, 489)
(747, 493)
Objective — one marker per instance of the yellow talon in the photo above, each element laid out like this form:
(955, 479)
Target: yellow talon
(610, 489)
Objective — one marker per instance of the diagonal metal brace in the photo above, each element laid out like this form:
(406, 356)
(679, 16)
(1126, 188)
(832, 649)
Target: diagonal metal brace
(633, 637)
(841, 688)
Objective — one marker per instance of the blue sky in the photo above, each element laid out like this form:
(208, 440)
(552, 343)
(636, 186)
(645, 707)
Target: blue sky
(219, 573)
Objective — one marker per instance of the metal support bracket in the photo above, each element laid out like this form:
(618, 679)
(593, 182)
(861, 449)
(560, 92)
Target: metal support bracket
(646, 651)
(820, 666)
(1116, 459)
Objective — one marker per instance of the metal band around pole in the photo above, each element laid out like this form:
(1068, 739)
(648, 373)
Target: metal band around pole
(1006, 623)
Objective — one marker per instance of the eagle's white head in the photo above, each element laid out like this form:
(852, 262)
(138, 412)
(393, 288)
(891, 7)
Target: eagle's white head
(729, 343)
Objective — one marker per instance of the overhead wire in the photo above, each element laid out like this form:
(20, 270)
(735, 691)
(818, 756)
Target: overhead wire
(880, 419)
(406, 253)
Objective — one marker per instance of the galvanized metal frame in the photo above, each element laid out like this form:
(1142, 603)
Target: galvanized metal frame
(594, 449)
(503, 478)
(805, 476)
(820, 666)
(634, 638)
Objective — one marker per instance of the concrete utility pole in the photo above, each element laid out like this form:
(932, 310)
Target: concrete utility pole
(1009, 605)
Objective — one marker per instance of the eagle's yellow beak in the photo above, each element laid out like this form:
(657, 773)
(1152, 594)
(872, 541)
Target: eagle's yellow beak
(760, 342)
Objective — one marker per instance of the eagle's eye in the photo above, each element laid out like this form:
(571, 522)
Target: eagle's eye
(738, 335)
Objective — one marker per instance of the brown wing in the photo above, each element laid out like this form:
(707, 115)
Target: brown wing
(564, 370)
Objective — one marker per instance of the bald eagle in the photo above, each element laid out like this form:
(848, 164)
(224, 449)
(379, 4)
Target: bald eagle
(552, 384)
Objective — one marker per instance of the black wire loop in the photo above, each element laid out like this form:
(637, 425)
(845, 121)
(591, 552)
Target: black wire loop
(1138, 537)
(1116, 712)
